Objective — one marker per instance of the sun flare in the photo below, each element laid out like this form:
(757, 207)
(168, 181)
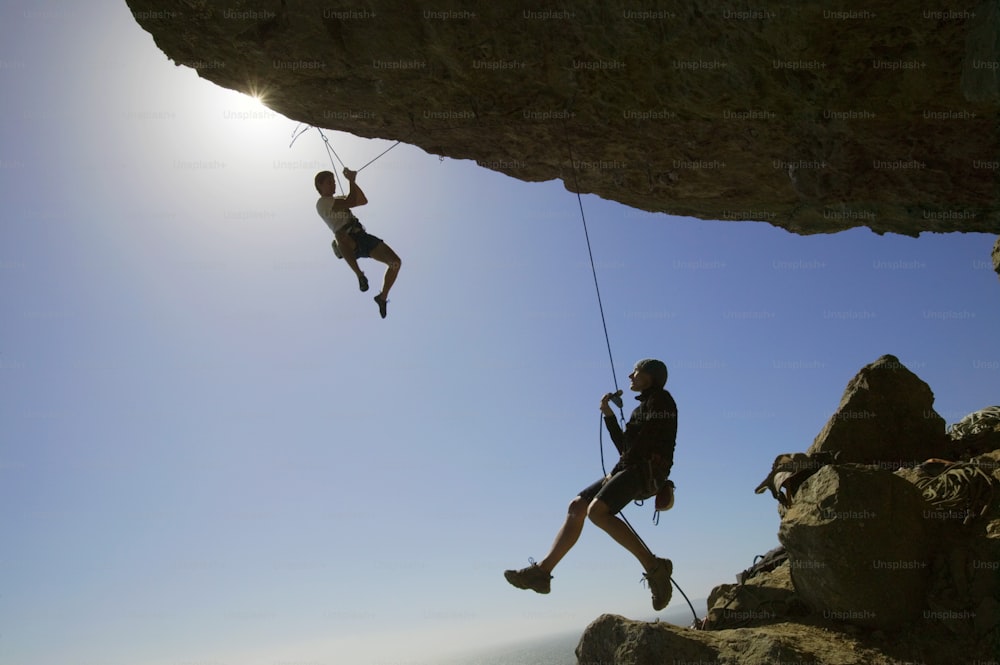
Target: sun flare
(256, 97)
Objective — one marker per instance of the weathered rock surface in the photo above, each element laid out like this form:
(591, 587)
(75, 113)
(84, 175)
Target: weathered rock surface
(812, 119)
(964, 524)
(852, 534)
(615, 640)
(767, 597)
(886, 416)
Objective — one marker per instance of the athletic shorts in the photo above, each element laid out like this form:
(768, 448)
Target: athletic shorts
(366, 242)
(617, 491)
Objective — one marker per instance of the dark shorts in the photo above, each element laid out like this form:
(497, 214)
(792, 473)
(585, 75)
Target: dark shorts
(617, 491)
(366, 242)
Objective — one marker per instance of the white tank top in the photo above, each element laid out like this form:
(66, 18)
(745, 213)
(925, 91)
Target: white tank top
(335, 219)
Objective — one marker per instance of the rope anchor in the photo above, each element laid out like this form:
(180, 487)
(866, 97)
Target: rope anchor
(331, 153)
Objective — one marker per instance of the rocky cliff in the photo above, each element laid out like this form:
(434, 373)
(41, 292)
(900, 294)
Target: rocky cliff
(812, 118)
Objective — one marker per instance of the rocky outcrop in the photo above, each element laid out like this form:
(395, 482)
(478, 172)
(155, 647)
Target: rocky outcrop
(851, 534)
(615, 640)
(886, 416)
(882, 566)
(811, 118)
(758, 598)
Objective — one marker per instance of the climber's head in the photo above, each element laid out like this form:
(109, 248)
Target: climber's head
(648, 373)
(325, 183)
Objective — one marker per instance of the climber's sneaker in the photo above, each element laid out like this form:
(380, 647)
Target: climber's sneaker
(659, 583)
(532, 577)
(381, 302)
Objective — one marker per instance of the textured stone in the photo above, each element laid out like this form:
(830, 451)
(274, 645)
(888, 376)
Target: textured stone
(810, 119)
(615, 640)
(996, 257)
(886, 416)
(852, 533)
(766, 598)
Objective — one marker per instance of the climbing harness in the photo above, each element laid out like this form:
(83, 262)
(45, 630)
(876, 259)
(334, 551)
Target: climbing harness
(614, 375)
(331, 153)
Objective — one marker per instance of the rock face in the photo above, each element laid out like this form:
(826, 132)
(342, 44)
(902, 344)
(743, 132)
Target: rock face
(886, 416)
(852, 534)
(812, 119)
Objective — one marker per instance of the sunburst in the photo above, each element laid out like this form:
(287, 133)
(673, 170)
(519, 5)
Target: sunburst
(258, 94)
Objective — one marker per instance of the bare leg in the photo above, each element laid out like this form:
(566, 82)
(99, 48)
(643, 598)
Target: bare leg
(567, 536)
(385, 254)
(349, 249)
(601, 515)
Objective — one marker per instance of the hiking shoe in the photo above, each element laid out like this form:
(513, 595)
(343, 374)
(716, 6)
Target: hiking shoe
(382, 302)
(362, 282)
(659, 583)
(532, 577)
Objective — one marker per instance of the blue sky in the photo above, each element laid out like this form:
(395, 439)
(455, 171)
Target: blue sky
(213, 450)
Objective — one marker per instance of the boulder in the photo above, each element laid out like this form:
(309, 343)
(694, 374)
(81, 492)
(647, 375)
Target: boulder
(886, 417)
(767, 597)
(614, 639)
(852, 533)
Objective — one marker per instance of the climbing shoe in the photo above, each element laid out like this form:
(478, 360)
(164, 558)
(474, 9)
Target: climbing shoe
(382, 302)
(659, 582)
(362, 282)
(532, 577)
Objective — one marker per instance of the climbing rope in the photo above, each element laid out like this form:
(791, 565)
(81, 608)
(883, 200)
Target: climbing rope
(593, 270)
(331, 153)
(379, 155)
(607, 341)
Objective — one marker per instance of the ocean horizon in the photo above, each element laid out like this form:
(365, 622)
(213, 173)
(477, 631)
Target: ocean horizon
(552, 650)
(556, 649)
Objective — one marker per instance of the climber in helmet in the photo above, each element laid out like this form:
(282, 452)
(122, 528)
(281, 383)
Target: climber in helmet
(647, 454)
(351, 241)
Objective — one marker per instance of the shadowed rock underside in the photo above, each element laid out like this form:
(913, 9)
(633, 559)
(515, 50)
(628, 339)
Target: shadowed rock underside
(812, 119)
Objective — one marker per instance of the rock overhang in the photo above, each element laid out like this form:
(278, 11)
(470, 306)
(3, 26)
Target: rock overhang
(814, 120)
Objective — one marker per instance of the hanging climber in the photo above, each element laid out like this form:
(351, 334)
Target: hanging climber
(647, 453)
(351, 241)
